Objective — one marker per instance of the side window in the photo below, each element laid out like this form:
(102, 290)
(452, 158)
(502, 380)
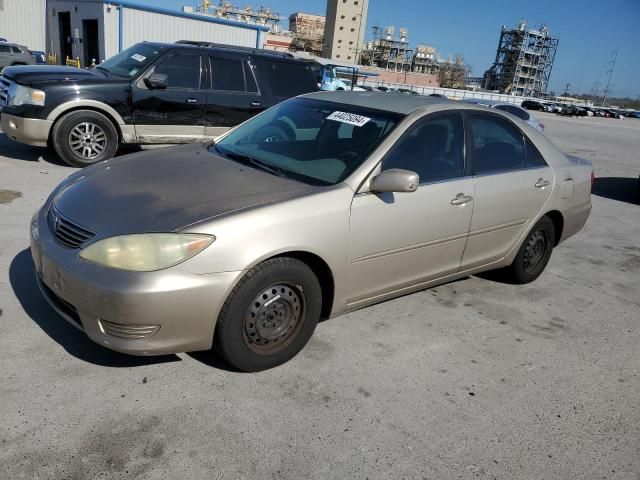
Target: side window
(288, 79)
(433, 148)
(518, 112)
(534, 159)
(16, 50)
(183, 71)
(499, 146)
(227, 74)
(5, 49)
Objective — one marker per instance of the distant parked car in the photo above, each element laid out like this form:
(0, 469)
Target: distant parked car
(384, 89)
(39, 56)
(533, 105)
(3, 39)
(368, 88)
(12, 54)
(438, 95)
(633, 115)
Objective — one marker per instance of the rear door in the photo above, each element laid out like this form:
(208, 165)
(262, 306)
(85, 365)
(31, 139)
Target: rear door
(512, 185)
(174, 114)
(233, 96)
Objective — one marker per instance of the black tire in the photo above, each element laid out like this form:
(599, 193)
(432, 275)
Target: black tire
(101, 138)
(534, 253)
(250, 346)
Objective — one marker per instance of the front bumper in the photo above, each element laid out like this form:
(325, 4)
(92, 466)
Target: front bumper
(31, 131)
(140, 313)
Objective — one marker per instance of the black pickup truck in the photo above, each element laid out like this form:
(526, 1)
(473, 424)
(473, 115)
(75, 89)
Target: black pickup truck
(150, 93)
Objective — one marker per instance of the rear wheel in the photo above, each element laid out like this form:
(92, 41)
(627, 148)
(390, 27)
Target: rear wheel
(534, 254)
(269, 316)
(84, 137)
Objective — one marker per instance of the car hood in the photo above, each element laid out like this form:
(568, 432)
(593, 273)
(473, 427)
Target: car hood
(40, 74)
(165, 190)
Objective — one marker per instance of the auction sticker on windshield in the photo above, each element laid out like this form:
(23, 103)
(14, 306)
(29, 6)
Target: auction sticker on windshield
(138, 57)
(350, 118)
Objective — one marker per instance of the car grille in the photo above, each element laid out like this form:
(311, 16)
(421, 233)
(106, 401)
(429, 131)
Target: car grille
(67, 233)
(4, 91)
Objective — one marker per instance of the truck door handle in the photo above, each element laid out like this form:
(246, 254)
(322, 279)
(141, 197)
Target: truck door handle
(461, 199)
(255, 103)
(192, 101)
(542, 183)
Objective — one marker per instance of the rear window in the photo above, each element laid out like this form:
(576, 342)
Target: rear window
(287, 79)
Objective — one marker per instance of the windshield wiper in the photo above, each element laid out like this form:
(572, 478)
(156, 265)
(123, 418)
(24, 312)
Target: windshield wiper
(248, 159)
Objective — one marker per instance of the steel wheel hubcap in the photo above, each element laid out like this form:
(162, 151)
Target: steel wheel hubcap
(87, 140)
(273, 318)
(536, 250)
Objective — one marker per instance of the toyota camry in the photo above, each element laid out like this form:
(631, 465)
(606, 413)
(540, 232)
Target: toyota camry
(321, 205)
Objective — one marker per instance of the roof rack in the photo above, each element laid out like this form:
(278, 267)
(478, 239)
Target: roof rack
(198, 43)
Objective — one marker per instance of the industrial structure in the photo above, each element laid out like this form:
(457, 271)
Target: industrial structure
(524, 61)
(247, 14)
(308, 32)
(389, 51)
(346, 21)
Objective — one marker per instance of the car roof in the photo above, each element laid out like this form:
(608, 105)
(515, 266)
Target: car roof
(190, 44)
(403, 104)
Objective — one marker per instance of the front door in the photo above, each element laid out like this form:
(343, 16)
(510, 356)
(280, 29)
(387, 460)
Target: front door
(399, 240)
(90, 42)
(234, 96)
(174, 114)
(512, 185)
(66, 42)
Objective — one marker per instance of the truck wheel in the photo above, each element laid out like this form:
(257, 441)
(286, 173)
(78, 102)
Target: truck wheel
(84, 137)
(269, 316)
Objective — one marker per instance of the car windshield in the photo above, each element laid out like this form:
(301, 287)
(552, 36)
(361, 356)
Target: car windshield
(131, 61)
(316, 142)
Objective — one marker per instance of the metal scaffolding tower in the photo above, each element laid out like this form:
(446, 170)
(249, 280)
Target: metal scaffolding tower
(524, 61)
(388, 51)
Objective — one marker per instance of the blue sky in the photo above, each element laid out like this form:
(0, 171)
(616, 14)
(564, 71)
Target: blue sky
(588, 30)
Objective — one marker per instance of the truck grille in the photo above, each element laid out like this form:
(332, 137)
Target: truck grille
(66, 232)
(4, 91)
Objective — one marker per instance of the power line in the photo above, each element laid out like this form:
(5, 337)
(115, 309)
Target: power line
(612, 63)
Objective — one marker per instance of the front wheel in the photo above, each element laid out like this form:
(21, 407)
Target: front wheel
(534, 254)
(84, 137)
(269, 316)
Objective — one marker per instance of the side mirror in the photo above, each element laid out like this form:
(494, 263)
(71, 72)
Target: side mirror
(395, 180)
(157, 81)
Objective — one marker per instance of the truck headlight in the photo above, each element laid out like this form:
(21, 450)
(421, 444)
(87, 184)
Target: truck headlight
(146, 252)
(22, 95)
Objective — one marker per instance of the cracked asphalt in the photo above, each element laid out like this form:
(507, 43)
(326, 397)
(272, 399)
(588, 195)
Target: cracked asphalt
(474, 379)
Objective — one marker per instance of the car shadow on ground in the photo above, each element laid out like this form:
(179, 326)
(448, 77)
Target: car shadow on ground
(621, 189)
(19, 151)
(23, 281)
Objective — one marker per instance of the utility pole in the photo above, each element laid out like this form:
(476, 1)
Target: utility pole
(566, 89)
(612, 63)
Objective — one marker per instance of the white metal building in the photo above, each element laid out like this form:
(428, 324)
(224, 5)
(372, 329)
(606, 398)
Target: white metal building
(98, 29)
(23, 22)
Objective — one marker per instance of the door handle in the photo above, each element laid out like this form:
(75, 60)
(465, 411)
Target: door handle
(461, 199)
(542, 183)
(192, 101)
(255, 103)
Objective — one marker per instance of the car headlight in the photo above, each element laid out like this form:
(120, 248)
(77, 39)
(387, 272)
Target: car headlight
(22, 95)
(146, 252)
